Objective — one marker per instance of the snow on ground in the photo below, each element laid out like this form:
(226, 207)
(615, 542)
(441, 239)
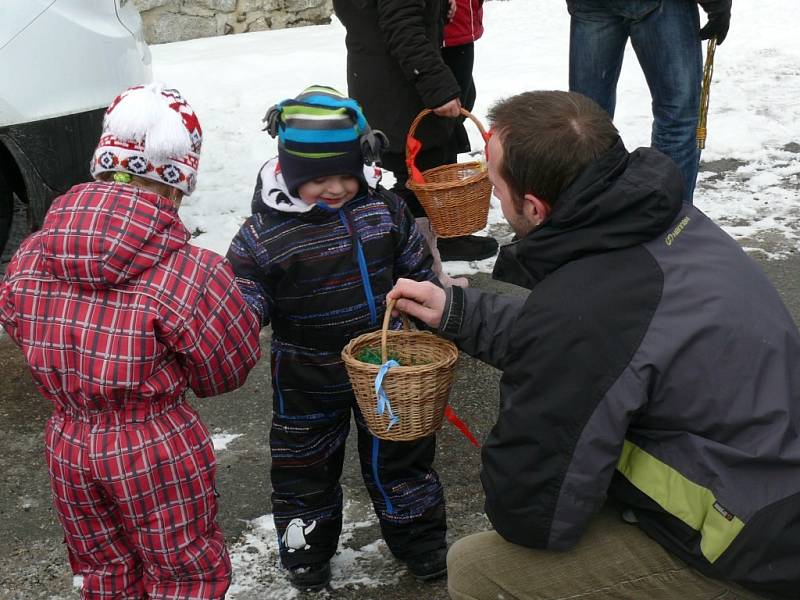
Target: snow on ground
(256, 564)
(221, 440)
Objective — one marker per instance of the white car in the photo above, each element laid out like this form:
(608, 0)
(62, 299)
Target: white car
(62, 62)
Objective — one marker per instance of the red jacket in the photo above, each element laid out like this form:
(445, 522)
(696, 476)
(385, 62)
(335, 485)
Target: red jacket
(112, 306)
(467, 24)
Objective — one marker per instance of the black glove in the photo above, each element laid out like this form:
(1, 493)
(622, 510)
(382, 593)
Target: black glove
(719, 19)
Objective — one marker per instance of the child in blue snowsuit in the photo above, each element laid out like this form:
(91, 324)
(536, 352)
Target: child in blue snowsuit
(324, 245)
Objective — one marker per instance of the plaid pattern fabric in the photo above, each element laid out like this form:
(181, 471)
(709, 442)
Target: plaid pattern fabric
(113, 307)
(117, 315)
(135, 496)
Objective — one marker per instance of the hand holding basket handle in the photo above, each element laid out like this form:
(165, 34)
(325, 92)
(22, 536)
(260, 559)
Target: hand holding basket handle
(449, 109)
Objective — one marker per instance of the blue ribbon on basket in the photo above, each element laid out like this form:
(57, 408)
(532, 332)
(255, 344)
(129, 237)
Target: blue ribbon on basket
(383, 400)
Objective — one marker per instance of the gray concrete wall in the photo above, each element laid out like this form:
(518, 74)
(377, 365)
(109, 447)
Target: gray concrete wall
(176, 20)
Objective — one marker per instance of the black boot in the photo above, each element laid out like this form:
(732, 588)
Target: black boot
(310, 578)
(467, 247)
(428, 566)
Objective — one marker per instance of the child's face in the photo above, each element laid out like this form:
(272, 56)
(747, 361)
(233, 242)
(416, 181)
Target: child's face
(333, 190)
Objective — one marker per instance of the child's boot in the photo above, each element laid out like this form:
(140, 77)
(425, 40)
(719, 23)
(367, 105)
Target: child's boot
(310, 578)
(429, 565)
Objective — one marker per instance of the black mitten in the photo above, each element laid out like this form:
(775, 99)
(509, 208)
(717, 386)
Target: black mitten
(719, 19)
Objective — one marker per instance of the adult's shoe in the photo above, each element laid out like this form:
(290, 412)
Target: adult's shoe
(310, 578)
(429, 565)
(467, 247)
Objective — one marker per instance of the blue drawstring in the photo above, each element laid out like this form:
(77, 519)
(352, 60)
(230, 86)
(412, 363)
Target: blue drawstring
(277, 380)
(358, 251)
(376, 446)
(383, 400)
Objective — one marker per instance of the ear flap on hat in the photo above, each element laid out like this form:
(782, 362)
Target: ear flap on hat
(373, 143)
(271, 119)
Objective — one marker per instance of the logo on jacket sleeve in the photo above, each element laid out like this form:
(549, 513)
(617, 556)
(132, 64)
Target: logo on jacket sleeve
(729, 516)
(672, 235)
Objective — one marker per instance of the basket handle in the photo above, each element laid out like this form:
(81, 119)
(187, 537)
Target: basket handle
(386, 318)
(414, 146)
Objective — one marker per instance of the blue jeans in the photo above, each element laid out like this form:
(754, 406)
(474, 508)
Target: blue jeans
(665, 36)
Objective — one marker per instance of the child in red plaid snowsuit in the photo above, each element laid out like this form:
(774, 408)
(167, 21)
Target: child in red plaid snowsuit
(117, 316)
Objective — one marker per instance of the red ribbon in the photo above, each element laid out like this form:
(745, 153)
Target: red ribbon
(460, 425)
(413, 146)
(486, 137)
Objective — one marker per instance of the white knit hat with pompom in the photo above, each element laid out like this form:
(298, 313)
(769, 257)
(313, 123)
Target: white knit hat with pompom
(151, 132)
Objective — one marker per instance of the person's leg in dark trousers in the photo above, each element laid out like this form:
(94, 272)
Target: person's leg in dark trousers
(460, 60)
(405, 491)
(598, 35)
(667, 44)
(310, 423)
(664, 35)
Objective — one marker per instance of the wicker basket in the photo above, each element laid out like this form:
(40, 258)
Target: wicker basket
(418, 394)
(455, 197)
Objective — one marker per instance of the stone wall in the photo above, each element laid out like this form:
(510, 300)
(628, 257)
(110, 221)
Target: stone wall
(175, 20)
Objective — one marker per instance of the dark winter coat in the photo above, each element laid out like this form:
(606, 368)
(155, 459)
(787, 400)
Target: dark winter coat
(653, 361)
(467, 24)
(395, 68)
(320, 276)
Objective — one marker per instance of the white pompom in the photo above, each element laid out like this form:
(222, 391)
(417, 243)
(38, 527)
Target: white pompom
(144, 115)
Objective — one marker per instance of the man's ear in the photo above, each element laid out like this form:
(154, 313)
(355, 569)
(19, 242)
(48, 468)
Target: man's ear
(535, 210)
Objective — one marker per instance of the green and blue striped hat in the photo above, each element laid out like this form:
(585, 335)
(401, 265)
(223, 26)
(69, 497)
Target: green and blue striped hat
(320, 133)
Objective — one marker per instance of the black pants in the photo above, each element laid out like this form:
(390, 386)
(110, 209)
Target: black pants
(460, 59)
(312, 403)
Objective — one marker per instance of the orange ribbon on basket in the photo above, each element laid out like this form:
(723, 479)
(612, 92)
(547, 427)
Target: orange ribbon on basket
(460, 425)
(413, 146)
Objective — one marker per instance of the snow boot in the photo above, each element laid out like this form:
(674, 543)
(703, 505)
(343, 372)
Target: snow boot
(310, 578)
(429, 565)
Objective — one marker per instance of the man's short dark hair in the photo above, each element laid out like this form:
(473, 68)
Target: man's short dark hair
(548, 138)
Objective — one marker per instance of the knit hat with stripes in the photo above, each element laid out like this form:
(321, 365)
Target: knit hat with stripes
(320, 133)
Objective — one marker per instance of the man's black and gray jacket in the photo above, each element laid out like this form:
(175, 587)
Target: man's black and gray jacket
(652, 362)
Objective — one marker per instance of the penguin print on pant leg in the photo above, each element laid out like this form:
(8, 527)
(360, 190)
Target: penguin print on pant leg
(294, 538)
